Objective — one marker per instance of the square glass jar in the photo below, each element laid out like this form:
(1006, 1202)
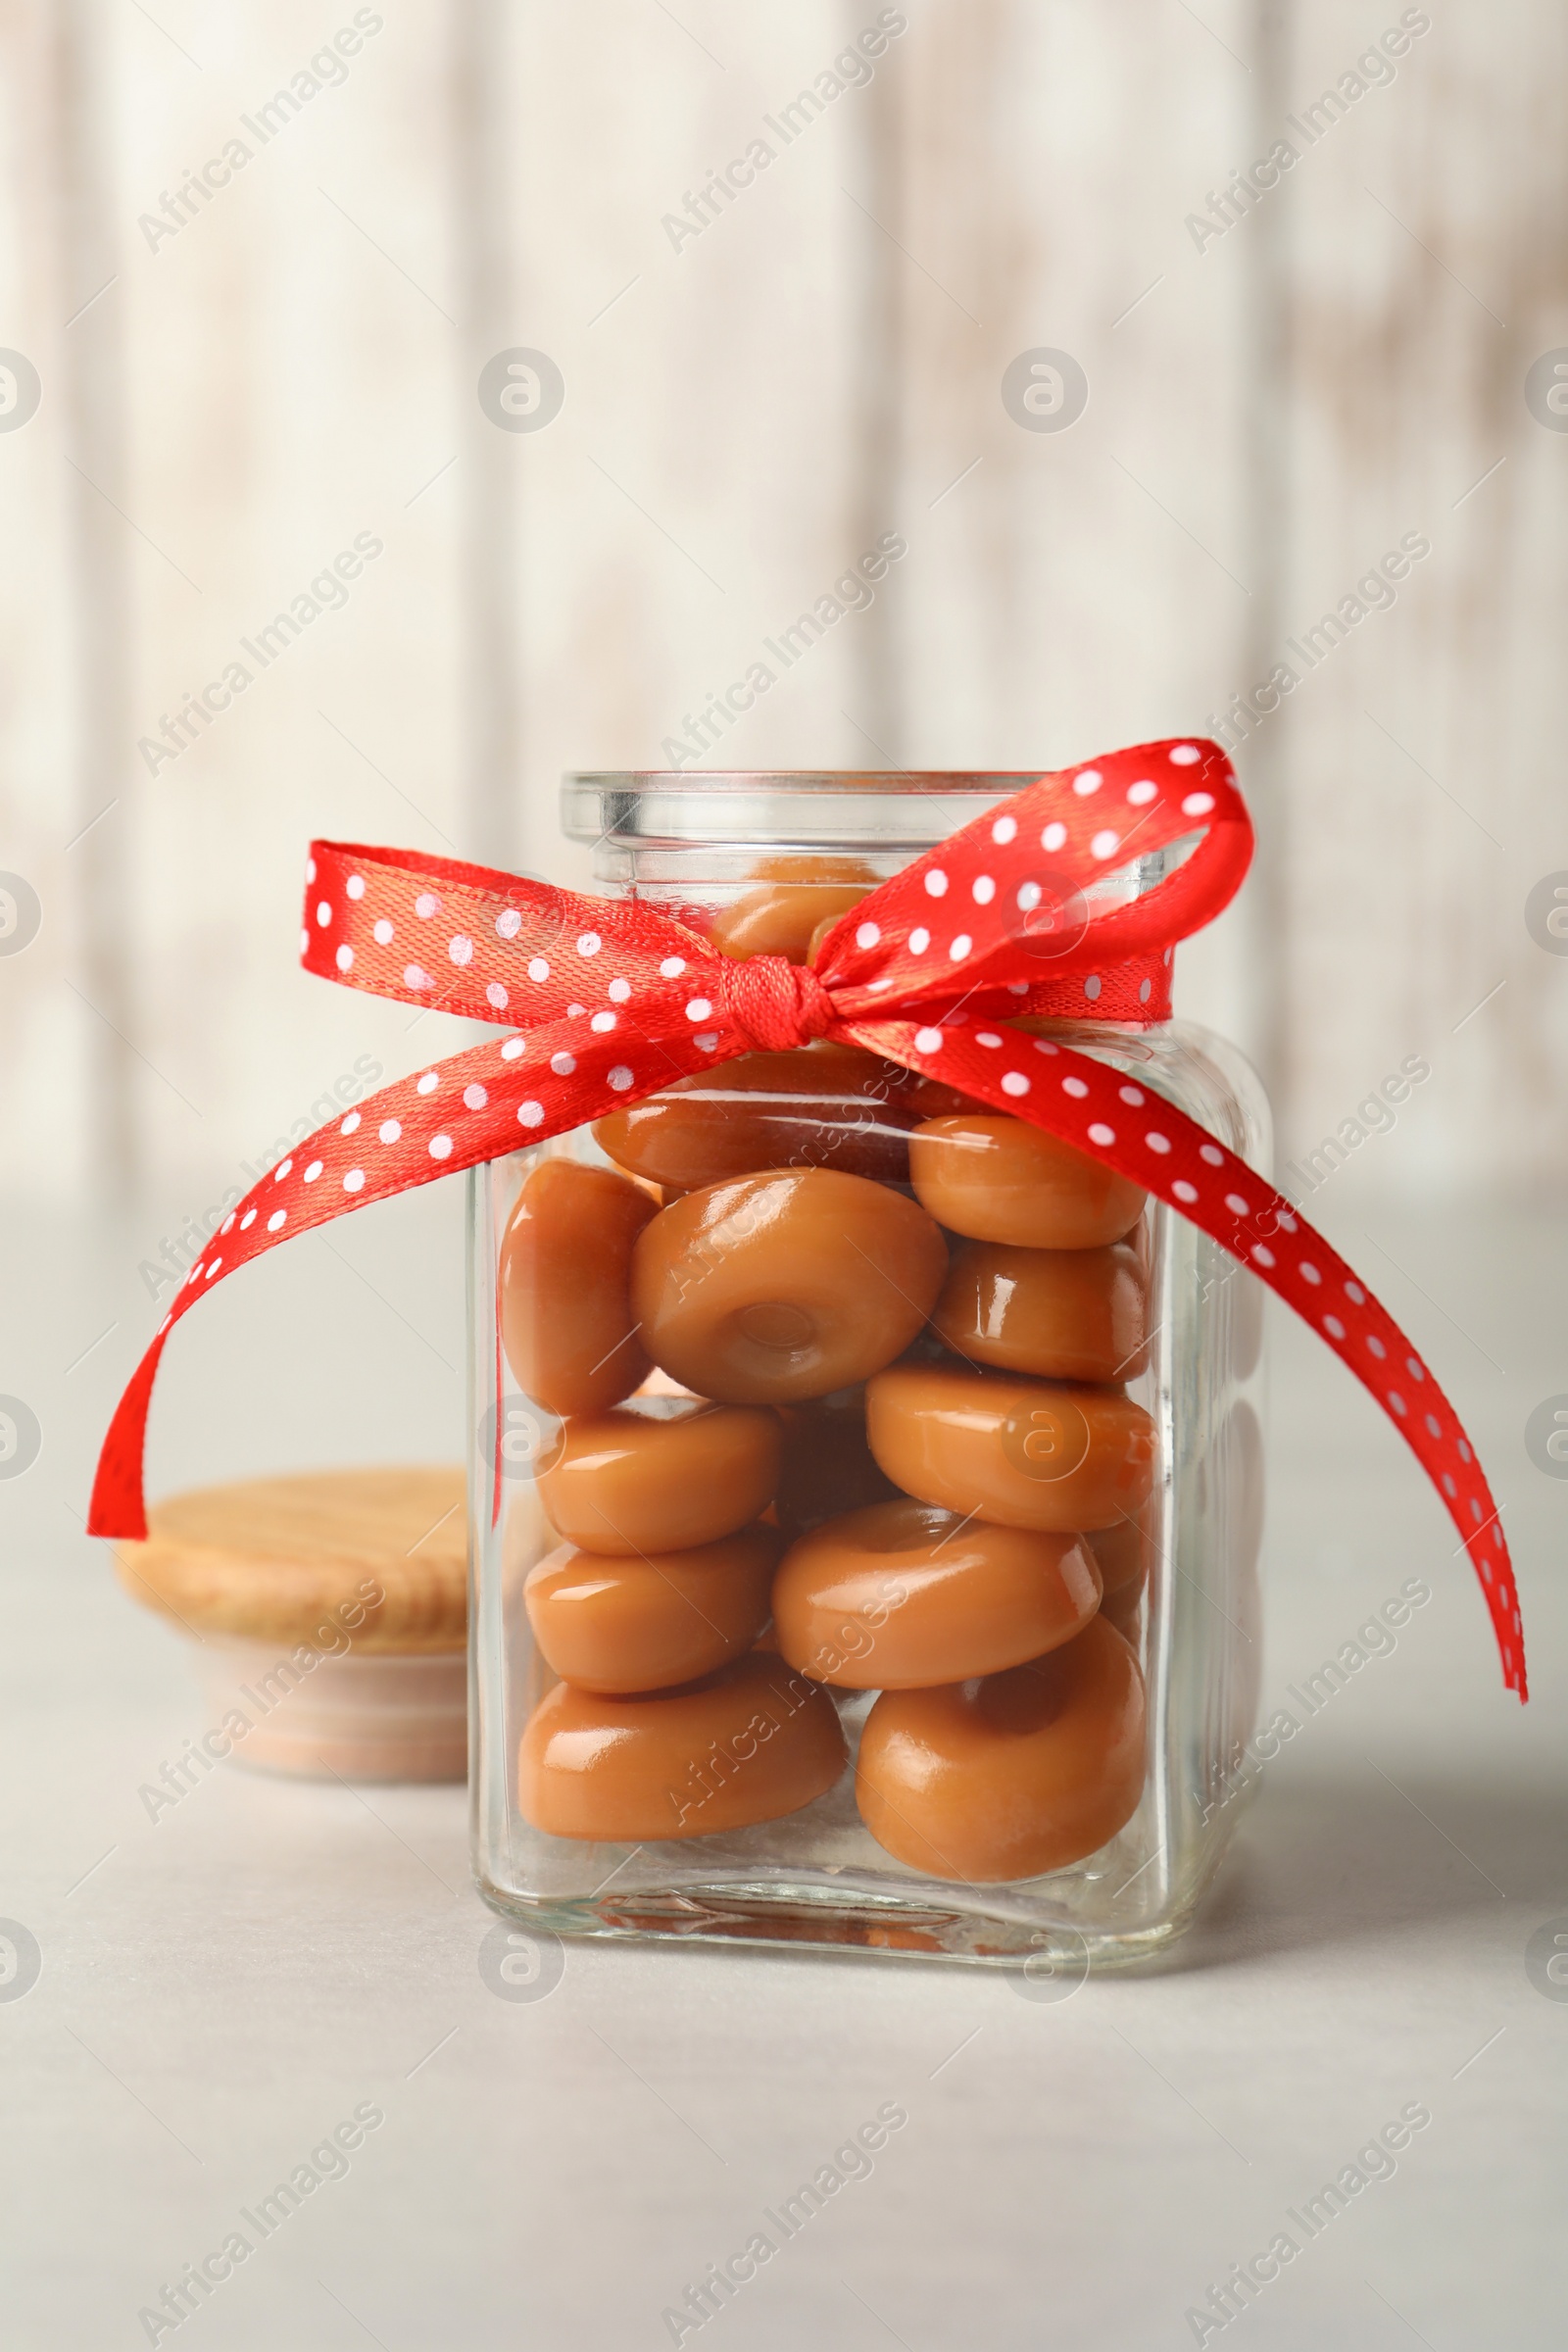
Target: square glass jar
(645, 1762)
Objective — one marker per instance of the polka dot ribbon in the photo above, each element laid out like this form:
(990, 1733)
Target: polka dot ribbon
(607, 1000)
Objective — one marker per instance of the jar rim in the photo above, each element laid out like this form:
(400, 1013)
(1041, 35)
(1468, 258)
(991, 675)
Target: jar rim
(831, 779)
(806, 807)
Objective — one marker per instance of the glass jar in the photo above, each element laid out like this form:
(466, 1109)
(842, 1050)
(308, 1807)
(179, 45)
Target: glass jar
(784, 1624)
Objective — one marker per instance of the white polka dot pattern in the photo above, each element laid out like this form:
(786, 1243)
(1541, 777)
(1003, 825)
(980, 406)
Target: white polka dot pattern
(1029, 945)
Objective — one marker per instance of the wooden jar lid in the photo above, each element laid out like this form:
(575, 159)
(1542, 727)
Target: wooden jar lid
(379, 1557)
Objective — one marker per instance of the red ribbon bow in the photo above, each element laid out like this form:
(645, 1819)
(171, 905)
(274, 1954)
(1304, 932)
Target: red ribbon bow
(611, 1000)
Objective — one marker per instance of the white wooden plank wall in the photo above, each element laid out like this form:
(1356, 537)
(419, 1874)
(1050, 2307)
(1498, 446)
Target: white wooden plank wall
(297, 366)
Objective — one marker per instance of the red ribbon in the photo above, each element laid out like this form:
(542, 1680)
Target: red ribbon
(609, 1001)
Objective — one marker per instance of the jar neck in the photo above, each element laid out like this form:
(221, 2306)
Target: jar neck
(708, 849)
(635, 818)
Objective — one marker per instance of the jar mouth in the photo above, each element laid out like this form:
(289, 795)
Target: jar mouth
(838, 809)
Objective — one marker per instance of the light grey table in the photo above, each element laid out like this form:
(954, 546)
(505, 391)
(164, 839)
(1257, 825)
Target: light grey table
(222, 1987)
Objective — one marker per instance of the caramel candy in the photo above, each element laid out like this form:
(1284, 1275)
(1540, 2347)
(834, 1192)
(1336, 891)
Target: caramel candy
(899, 1597)
(644, 1624)
(1023, 1452)
(999, 1180)
(828, 1466)
(813, 946)
(749, 1743)
(1123, 1611)
(1068, 1314)
(928, 1099)
(627, 1482)
(1122, 1554)
(1011, 1776)
(820, 1106)
(795, 897)
(777, 1288)
(565, 1265)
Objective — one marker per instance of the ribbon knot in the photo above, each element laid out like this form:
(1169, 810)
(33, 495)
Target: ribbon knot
(778, 1005)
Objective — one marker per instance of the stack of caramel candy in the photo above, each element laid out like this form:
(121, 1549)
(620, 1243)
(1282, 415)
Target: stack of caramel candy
(888, 1450)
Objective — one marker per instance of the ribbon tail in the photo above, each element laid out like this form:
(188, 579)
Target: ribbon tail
(1105, 1114)
(118, 1507)
(497, 1097)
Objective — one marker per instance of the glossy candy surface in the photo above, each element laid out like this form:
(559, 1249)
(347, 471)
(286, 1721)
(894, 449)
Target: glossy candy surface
(1124, 1610)
(827, 1107)
(829, 1467)
(1122, 1553)
(749, 1743)
(626, 1481)
(792, 898)
(565, 1264)
(1010, 1776)
(1062, 1314)
(900, 1596)
(995, 1179)
(774, 1289)
(1023, 1452)
(633, 1624)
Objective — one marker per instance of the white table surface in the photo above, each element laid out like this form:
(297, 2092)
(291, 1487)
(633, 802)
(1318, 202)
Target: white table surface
(222, 1987)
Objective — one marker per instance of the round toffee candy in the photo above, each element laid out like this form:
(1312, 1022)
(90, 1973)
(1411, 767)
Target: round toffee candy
(820, 1106)
(793, 898)
(998, 1180)
(628, 1625)
(1010, 1776)
(899, 1597)
(566, 1263)
(777, 1288)
(1067, 1314)
(749, 1743)
(829, 1467)
(626, 1482)
(1023, 1452)
(1122, 1554)
(1124, 1610)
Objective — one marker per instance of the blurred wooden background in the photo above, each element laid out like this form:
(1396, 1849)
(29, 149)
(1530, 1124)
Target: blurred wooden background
(226, 405)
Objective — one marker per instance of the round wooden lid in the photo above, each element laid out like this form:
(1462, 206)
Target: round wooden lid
(376, 1561)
